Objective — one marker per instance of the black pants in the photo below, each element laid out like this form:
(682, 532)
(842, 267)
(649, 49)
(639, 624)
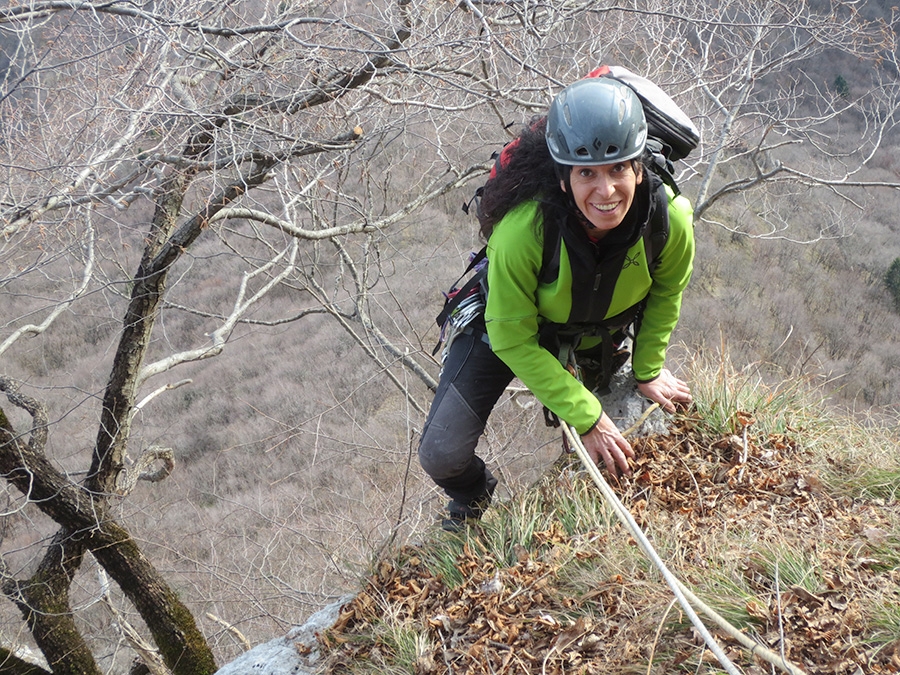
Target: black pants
(471, 382)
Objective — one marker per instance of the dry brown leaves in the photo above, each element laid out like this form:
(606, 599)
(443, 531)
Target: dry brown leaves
(510, 620)
(501, 620)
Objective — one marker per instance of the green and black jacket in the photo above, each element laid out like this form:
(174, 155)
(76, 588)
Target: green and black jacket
(519, 304)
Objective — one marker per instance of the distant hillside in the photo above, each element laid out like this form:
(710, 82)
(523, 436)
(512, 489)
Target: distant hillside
(809, 309)
(309, 156)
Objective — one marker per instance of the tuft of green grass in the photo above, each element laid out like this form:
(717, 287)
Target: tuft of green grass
(511, 527)
(440, 558)
(406, 644)
(877, 483)
(580, 508)
(726, 399)
(885, 621)
(396, 645)
(786, 566)
(887, 555)
(862, 462)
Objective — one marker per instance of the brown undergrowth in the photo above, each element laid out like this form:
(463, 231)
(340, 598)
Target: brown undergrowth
(551, 584)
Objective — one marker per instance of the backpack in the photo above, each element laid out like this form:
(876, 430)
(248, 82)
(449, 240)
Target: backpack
(671, 137)
(666, 122)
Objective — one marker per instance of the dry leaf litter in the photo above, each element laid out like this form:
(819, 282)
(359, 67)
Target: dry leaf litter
(524, 618)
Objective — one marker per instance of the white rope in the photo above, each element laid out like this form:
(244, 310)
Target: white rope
(681, 592)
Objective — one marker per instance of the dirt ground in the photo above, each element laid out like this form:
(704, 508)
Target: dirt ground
(728, 500)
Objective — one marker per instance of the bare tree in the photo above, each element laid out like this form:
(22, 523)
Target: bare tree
(151, 150)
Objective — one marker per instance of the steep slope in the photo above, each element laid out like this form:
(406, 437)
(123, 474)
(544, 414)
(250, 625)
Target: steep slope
(781, 531)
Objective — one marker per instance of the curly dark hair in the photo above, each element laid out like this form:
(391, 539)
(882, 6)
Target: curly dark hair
(529, 173)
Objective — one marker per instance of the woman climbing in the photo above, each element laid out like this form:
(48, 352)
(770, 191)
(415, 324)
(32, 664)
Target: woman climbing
(571, 221)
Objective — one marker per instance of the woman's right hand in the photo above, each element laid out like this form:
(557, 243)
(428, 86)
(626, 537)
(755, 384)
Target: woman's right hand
(607, 444)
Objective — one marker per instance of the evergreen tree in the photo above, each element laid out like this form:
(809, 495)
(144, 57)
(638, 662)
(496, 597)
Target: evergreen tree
(892, 280)
(841, 87)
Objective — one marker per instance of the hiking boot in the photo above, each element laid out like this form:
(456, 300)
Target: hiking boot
(460, 515)
(455, 521)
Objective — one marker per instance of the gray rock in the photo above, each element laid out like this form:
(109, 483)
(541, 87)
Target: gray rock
(297, 653)
(625, 405)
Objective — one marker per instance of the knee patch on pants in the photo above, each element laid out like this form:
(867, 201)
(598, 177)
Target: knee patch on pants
(448, 441)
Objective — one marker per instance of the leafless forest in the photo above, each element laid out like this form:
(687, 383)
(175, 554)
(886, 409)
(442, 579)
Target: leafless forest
(225, 229)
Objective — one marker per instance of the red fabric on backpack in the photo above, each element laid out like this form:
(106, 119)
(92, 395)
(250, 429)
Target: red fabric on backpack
(503, 157)
(598, 72)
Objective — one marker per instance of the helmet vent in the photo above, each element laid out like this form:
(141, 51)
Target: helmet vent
(601, 120)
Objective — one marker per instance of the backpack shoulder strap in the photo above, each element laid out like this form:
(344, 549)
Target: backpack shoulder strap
(661, 165)
(550, 253)
(657, 233)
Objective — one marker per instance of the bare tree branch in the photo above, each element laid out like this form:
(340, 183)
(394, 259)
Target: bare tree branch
(240, 167)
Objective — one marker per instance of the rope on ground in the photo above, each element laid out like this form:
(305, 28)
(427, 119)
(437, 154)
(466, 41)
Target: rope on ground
(685, 597)
(643, 418)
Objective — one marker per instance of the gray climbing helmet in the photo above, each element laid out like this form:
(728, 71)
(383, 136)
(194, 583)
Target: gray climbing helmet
(596, 121)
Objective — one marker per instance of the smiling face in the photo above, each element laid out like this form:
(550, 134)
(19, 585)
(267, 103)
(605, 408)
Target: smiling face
(603, 193)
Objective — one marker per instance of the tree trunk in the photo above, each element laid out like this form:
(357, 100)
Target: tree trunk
(10, 664)
(44, 602)
(149, 287)
(182, 645)
(44, 599)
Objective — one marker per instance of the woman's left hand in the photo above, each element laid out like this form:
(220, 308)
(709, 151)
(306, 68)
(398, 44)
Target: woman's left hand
(667, 390)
